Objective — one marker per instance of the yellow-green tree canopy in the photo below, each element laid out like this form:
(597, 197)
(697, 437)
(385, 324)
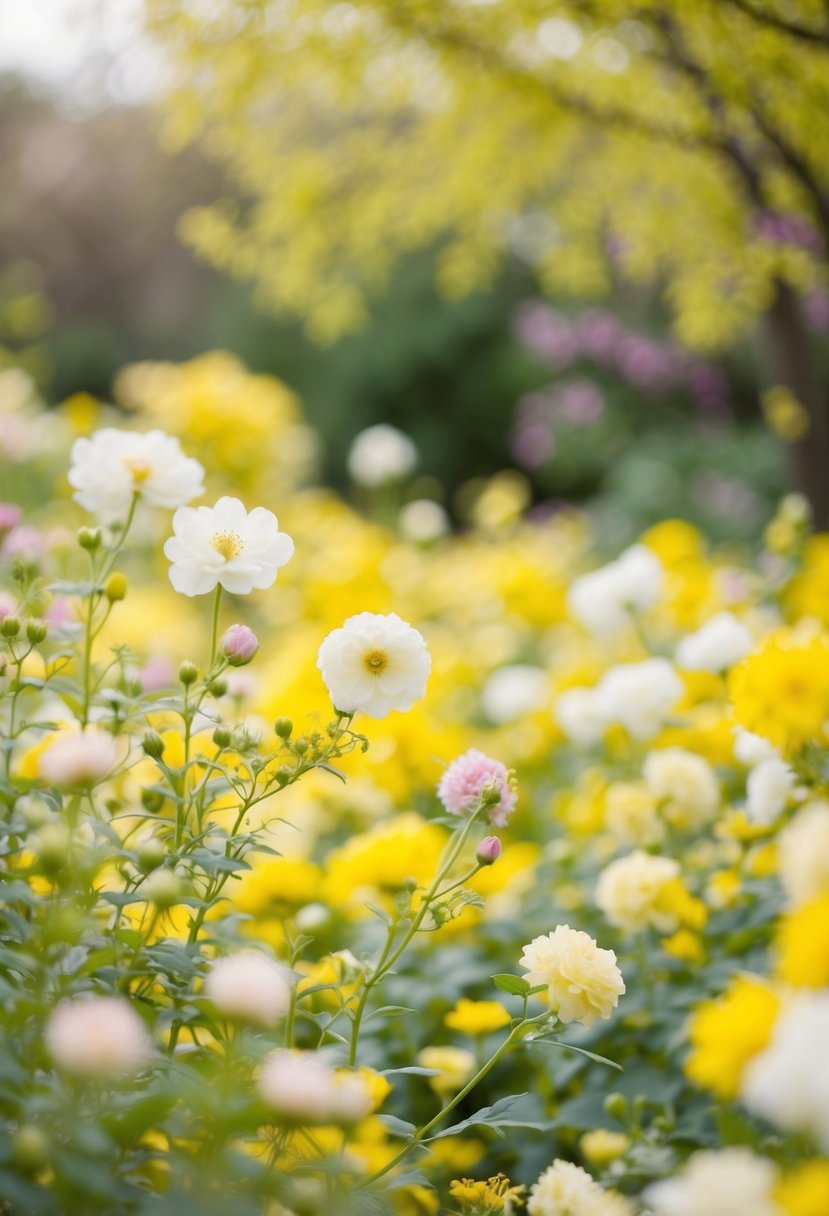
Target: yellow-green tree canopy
(677, 142)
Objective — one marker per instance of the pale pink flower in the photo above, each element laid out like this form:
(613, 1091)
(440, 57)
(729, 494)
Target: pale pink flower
(80, 758)
(98, 1036)
(467, 778)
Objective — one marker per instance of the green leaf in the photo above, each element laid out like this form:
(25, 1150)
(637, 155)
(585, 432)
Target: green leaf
(582, 1051)
(398, 1127)
(502, 1113)
(515, 985)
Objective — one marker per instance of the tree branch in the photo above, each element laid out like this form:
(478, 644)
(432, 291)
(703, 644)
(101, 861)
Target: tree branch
(815, 38)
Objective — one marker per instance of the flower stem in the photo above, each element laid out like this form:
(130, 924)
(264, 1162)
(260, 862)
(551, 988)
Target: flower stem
(214, 637)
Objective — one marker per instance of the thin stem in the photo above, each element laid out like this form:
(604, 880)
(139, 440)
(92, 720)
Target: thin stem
(214, 637)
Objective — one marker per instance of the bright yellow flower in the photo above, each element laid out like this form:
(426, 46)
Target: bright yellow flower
(802, 945)
(602, 1146)
(477, 1017)
(781, 691)
(381, 861)
(685, 946)
(804, 1190)
(488, 1198)
(728, 1032)
(454, 1067)
(807, 595)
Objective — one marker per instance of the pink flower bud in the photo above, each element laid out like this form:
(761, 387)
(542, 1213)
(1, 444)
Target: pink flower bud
(489, 850)
(10, 516)
(239, 645)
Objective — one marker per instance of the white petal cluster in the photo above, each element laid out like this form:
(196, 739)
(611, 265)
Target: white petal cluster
(718, 645)
(98, 1036)
(226, 545)
(629, 892)
(768, 789)
(751, 749)
(638, 696)
(583, 982)
(78, 758)
(515, 690)
(577, 713)
(249, 986)
(112, 466)
(374, 664)
(684, 783)
(302, 1088)
(803, 848)
(732, 1182)
(603, 600)
(788, 1083)
(566, 1189)
(381, 454)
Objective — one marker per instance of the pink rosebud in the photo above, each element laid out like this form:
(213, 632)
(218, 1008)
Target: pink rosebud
(239, 645)
(474, 778)
(10, 516)
(489, 850)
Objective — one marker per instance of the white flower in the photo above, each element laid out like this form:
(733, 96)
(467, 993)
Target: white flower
(788, 1083)
(638, 696)
(566, 1189)
(97, 1036)
(684, 783)
(380, 454)
(731, 1182)
(577, 713)
(583, 981)
(111, 466)
(804, 854)
(512, 691)
(603, 600)
(78, 758)
(768, 789)
(248, 985)
(423, 520)
(226, 545)
(374, 664)
(631, 813)
(629, 892)
(301, 1087)
(750, 749)
(718, 645)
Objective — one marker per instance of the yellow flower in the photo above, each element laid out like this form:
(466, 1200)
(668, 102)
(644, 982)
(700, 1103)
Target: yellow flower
(601, 1146)
(488, 1198)
(382, 860)
(808, 593)
(685, 946)
(582, 980)
(781, 691)
(454, 1067)
(476, 1017)
(804, 1190)
(728, 1032)
(802, 945)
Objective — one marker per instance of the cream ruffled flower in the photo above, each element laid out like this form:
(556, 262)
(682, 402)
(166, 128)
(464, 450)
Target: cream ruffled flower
(566, 1189)
(733, 1182)
(583, 981)
(226, 545)
(629, 892)
(374, 664)
(112, 465)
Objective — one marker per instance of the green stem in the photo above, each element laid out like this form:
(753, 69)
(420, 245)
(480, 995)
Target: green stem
(214, 637)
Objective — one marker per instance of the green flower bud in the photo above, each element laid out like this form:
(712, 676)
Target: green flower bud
(151, 854)
(162, 888)
(616, 1105)
(36, 631)
(10, 626)
(217, 688)
(152, 801)
(52, 845)
(115, 588)
(301, 746)
(30, 1148)
(89, 538)
(153, 745)
(188, 673)
(283, 727)
(222, 736)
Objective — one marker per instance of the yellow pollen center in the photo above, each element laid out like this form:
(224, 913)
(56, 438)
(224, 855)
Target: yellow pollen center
(229, 544)
(375, 661)
(140, 470)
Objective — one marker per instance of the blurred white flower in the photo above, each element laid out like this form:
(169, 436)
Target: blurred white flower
(583, 981)
(603, 600)
(629, 891)
(751, 749)
(788, 1083)
(374, 664)
(111, 466)
(732, 1182)
(423, 520)
(768, 789)
(577, 713)
(78, 758)
(301, 1088)
(250, 986)
(226, 545)
(685, 784)
(718, 645)
(639, 696)
(97, 1036)
(803, 848)
(381, 454)
(512, 691)
(565, 1189)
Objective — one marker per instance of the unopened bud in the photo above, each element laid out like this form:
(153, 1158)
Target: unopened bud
(283, 727)
(222, 736)
(52, 846)
(115, 588)
(217, 688)
(162, 888)
(153, 745)
(89, 538)
(30, 1148)
(616, 1105)
(151, 854)
(152, 801)
(301, 746)
(10, 626)
(36, 631)
(188, 673)
(489, 850)
(238, 645)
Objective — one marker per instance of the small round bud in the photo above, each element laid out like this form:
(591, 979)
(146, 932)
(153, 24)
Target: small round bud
(162, 888)
(222, 736)
(238, 645)
(301, 745)
(616, 1105)
(217, 688)
(52, 846)
(36, 631)
(30, 1148)
(151, 854)
(283, 727)
(10, 626)
(152, 801)
(188, 673)
(488, 851)
(89, 538)
(283, 776)
(115, 588)
(153, 745)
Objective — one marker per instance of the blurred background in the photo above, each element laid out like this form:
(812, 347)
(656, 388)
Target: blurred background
(127, 129)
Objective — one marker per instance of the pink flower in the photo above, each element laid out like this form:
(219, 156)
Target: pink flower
(157, 673)
(489, 850)
(10, 516)
(472, 776)
(79, 758)
(238, 645)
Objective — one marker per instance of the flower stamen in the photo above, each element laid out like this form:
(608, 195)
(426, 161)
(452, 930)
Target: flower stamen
(375, 661)
(139, 469)
(228, 544)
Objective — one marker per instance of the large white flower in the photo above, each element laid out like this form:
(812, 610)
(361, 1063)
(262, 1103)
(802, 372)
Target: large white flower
(638, 696)
(583, 981)
(374, 664)
(718, 645)
(566, 1189)
(226, 545)
(732, 1182)
(603, 600)
(684, 783)
(111, 466)
(630, 892)
(95, 1036)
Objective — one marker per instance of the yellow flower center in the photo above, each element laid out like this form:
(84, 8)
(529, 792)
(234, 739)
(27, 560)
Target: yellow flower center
(375, 661)
(140, 470)
(228, 544)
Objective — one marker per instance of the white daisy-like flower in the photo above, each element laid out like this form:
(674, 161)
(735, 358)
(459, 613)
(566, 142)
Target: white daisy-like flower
(374, 664)
(111, 466)
(226, 545)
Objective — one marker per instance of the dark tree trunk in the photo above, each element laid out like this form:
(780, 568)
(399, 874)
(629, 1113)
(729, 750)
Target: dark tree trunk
(791, 363)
